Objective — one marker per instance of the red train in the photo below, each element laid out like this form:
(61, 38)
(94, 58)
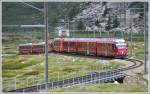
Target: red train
(88, 46)
(31, 48)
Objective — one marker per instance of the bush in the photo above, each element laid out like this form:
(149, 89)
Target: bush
(68, 69)
(35, 72)
(8, 74)
(15, 64)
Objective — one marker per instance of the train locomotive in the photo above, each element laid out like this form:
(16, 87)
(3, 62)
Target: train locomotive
(111, 47)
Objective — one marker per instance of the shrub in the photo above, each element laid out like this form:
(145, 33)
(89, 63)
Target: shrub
(15, 64)
(35, 72)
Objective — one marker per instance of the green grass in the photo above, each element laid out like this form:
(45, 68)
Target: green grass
(18, 63)
(34, 72)
(137, 50)
(59, 68)
(108, 87)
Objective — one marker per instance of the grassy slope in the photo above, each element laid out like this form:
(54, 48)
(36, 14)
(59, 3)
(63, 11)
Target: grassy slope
(108, 87)
(137, 50)
(29, 66)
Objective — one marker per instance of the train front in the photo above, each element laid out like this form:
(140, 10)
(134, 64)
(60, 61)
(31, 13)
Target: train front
(121, 48)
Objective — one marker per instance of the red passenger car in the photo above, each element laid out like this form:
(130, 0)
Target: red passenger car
(25, 48)
(38, 48)
(31, 48)
(94, 46)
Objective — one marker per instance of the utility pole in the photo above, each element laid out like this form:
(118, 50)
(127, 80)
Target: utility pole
(131, 35)
(46, 41)
(145, 37)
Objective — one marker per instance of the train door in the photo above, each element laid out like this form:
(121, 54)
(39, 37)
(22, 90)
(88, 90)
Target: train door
(42, 48)
(106, 49)
(110, 49)
(37, 49)
(50, 46)
(72, 46)
(65, 46)
(92, 48)
(57, 45)
(82, 47)
(102, 49)
(68, 46)
(113, 49)
(85, 47)
(88, 48)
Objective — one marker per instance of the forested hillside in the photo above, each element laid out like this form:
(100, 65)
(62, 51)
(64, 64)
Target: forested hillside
(19, 13)
(92, 16)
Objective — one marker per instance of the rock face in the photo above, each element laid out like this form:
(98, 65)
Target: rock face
(100, 16)
(101, 12)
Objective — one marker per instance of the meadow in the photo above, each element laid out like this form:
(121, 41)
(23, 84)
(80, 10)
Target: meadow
(27, 70)
(107, 87)
(22, 67)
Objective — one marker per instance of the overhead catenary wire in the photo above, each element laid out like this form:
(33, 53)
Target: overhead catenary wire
(32, 6)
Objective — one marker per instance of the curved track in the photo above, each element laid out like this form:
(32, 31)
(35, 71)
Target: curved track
(84, 79)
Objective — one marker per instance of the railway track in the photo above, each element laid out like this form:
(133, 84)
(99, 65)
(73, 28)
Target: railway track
(95, 77)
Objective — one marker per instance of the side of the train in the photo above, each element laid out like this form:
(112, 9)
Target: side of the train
(31, 48)
(100, 47)
(94, 46)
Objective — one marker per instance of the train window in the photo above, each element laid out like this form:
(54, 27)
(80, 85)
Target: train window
(25, 47)
(121, 46)
(101, 46)
(110, 46)
(65, 44)
(81, 44)
(78, 43)
(92, 44)
(71, 44)
(57, 43)
(113, 47)
(40, 46)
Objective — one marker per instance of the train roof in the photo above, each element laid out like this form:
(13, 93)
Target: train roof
(29, 44)
(41, 43)
(112, 40)
(100, 40)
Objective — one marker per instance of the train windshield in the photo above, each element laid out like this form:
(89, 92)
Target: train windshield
(121, 46)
